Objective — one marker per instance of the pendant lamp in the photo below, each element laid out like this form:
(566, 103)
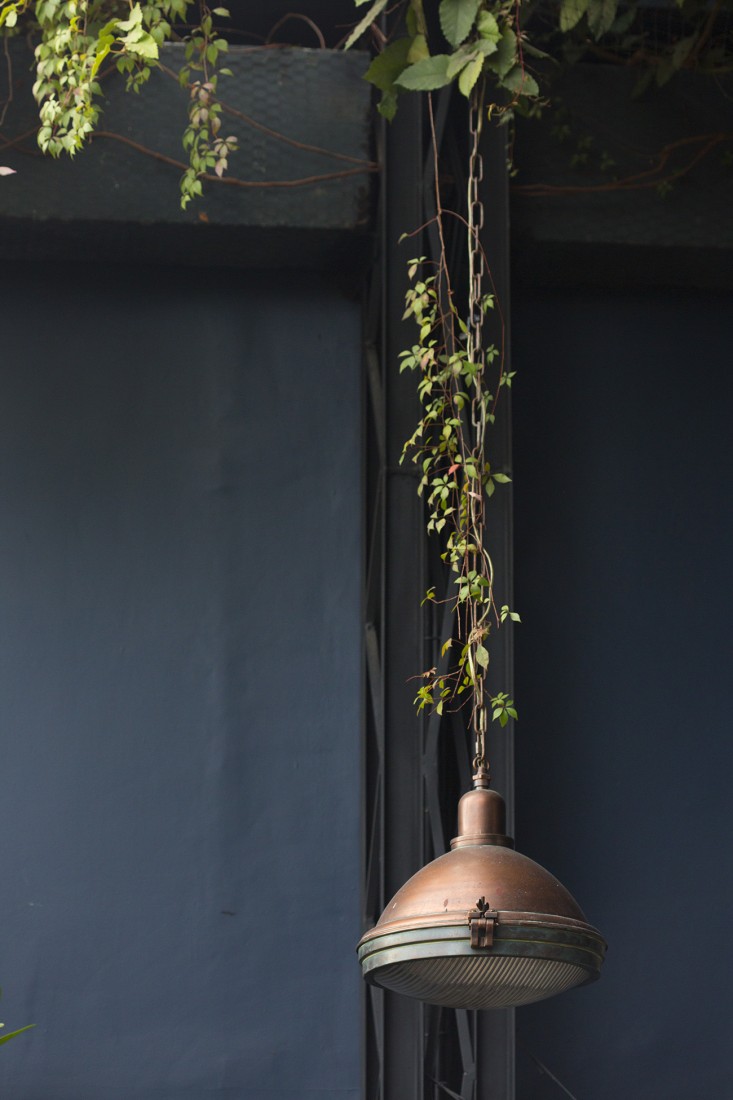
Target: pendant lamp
(481, 926)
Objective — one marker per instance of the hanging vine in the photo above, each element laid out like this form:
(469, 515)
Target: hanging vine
(460, 379)
(460, 373)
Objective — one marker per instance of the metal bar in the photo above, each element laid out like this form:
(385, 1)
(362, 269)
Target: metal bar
(375, 390)
(401, 639)
(373, 595)
(464, 1020)
(373, 612)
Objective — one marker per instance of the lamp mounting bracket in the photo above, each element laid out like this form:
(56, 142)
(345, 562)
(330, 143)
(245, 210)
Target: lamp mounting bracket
(482, 922)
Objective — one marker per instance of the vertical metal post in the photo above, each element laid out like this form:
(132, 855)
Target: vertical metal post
(414, 1051)
(404, 584)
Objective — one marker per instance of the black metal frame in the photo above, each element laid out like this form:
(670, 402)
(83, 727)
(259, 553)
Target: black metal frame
(414, 769)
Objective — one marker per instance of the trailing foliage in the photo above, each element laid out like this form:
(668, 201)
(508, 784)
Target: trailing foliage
(421, 45)
(77, 39)
(477, 38)
(427, 44)
(448, 446)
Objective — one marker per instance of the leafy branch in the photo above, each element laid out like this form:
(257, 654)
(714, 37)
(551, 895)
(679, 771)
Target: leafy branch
(207, 150)
(456, 478)
(478, 39)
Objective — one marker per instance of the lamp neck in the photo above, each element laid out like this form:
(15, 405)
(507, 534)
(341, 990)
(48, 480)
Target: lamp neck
(482, 815)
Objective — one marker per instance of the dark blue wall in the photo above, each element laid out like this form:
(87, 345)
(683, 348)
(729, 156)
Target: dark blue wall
(179, 685)
(624, 537)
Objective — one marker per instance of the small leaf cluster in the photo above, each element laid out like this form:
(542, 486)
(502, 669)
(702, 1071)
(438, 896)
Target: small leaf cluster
(698, 36)
(502, 708)
(479, 40)
(207, 150)
(76, 38)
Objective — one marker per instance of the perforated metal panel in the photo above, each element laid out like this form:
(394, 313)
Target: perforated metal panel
(302, 115)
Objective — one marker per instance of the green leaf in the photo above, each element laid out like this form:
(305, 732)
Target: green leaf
(456, 19)
(387, 66)
(223, 12)
(505, 57)
(101, 54)
(416, 14)
(12, 1034)
(135, 20)
(418, 50)
(482, 656)
(377, 7)
(502, 479)
(469, 76)
(519, 81)
(425, 76)
(387, 105)
(142, 46)
(601, 16)
(487, 26)
(571, 12)
(487, 46)
(458, 61)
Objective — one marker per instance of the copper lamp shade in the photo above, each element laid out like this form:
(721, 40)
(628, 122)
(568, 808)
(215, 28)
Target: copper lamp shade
(481, 926)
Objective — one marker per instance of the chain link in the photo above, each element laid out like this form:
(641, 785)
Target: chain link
(476, 354)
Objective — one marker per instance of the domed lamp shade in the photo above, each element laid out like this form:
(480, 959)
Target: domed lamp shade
(481, 926)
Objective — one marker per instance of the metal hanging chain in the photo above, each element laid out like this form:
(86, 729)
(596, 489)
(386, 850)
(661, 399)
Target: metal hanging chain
(476, 354)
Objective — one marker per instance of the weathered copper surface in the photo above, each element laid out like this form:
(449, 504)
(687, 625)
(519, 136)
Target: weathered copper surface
(447, 890)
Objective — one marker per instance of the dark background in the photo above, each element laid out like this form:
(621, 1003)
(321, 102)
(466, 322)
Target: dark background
(179, 684)
(624, 544)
